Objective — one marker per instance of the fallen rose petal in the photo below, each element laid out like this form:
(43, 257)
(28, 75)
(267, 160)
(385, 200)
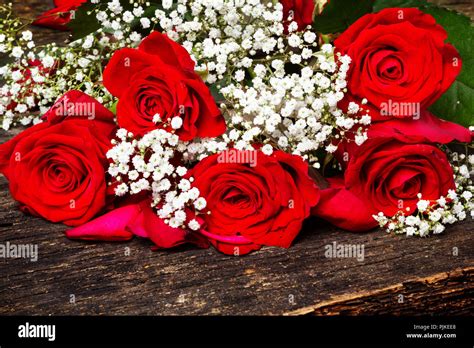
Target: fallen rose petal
(112, 226)
(163, 235)
(343, 209)
(136, 219)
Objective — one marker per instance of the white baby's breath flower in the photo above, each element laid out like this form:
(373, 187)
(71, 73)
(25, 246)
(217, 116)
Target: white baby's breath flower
(267, 149)
(194, 225)
(422, 205)
(176, 122)
(200, 204)
(17, 52)
(145, 22)
(438, 228)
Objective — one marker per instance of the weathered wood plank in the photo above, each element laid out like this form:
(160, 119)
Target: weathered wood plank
(30, 9)
(463, 6)
(449, 293)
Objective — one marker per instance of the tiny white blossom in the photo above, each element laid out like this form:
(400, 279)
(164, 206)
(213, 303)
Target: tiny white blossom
(194, 225)
(422, 205)
(267, 149)
(438, 228)
(145, 22)
(200, 203)
(176, 122)
(17, 52)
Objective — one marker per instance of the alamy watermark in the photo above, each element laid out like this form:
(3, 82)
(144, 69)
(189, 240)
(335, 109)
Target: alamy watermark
(19, 251)
(392, 108)
(28, 330)
(241, 157)
(67, 108)
(336, 250)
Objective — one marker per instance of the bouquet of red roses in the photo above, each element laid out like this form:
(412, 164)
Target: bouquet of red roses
(231, 122)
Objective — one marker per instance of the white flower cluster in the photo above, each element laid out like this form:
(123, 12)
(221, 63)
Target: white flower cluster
(433, 216)
(149, 164)
(277, 88)
(37, 76)
(296, 112)
(123, 23)
(225, 36)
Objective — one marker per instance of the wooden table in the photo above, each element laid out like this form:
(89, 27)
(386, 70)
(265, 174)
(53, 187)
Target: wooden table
(398, 275)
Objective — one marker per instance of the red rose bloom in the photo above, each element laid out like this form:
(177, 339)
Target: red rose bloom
(158, 78)
(389, 173)
(58, 17)
(300, 11)
(399, 58)
(386, 173)
(254, 203)
(56, 169)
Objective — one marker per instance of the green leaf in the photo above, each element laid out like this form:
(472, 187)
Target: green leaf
(457, 104)
(113, 108)
(381, 4)
(338, 15)
(216, 94)
(82, 23)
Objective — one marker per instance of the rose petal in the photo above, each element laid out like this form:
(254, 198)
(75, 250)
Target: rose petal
(112, 226)
(167, 50)
(122, 66)
(343, 209)
(136, 219)
(428, 127)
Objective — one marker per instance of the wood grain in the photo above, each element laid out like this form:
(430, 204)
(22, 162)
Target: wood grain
(463, 6)
(432, 275)
(30, 9)
(442, 292)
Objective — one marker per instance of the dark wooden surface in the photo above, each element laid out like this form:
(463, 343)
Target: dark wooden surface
(399, 275)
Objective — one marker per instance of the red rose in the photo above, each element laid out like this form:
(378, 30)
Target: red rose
(58, 17)
(400, 61)
(56, 169)
(299, 11)
(159, 78)
(386, 173)
(254, 199)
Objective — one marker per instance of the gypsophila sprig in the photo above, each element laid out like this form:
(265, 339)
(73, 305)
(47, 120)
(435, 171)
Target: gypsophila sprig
(37, 75)
(278, 89)
(296, 112)
(241, 50)
(149, 164)
(433, 216)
